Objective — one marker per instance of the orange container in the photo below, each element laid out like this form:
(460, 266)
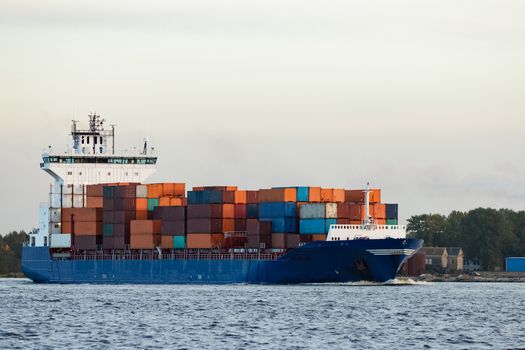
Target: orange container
(141, 204)
(228, 211)
(239, 197)
(327, 195)
(94, 202)
(173, 189)
(278, 195)
(314, 194)
(95, 190)
(204, 240)
(375, 195)
(199, 188)
(357, 212)
(149, 241)
(88, 228)
(228, 225)
(279, 240)
(378, 211)
(355, 222)
(231, 188)
(154, 190)
(177, 201)
(145, 227)
(338, 195)
(380, 221)
(318, 237)
(141, 215)
(166, 242)
(164, 201)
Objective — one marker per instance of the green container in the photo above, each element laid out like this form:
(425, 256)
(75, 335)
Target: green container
(391, 221)
(179, 242)
(108, 229)
(152, 203)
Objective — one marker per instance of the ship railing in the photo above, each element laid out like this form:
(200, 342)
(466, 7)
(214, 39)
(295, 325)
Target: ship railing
(176, 256)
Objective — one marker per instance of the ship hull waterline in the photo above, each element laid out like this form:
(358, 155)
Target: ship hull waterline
(315, 262)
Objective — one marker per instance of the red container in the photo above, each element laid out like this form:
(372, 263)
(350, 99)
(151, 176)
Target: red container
(145, 227)
(166, 242)
(94, 202)
(128, 191)
(171, 213)
(252, 197)
(123, 217)
(215, 211)
(259, 241)
(343, 210)
(173, 228)
(113, 242)
(204, 225)
(278, 195)
(256, 227)
(343, 221)
(228, 197)
(82, 214)
(121, 230)
(108, 216)
(240, 211)
(87, 242)
(240, 224)
(292, 240)
(95, 190)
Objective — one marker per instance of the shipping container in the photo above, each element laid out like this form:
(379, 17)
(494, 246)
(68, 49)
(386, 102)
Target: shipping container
(314, 194)
(312, 211)
(141, 191)
(129, 191)
(278, 195)
(108, 229)
(198, 211)
(318, 237)
(391, 222)
(252, 211)
(60, 240)
(113, 242)
(94, 202)
(312, 226)
(204, 226)
(279, 240)
(277, 210)
(123, 217)
(144, 241)
(166, 242)
(152, 203)
(173, 228)
(108, 191)
(358, 196)
(515, 264)
(139, 227)
(86, 228)
(179, 242)
(171, 213)
(256, 227)
(87, 242)
(121, 230)
(327, 195)
(377, 211)
(259, 241)
(331, 210)
(82, 214)
(141, 204)
(343, 210)
(240, 211)
(204, 240)
(95, 190)
(143, 215)
(282, 225)
(252, 197)
(292, 240)
(391, 211)
(329, 222)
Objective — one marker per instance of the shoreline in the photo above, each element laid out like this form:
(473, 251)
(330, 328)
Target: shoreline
(480, 276)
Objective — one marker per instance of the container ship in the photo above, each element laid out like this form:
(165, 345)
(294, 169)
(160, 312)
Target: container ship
(102, 224)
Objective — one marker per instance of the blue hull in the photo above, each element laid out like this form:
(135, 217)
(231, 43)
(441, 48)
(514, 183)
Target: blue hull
(315, 262)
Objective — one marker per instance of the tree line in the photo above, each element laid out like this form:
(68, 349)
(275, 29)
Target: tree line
(11, 252)
(487, 235)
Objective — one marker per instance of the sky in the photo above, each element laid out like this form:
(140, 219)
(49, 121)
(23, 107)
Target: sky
(424, 99)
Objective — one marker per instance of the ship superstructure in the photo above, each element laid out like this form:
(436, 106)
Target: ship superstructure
(90, 159)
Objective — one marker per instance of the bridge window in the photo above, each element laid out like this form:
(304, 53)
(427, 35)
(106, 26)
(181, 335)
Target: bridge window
(88, 140)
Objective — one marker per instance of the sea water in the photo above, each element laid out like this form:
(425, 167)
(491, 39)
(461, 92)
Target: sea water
(397, 315)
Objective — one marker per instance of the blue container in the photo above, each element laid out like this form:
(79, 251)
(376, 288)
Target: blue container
(215, 197)
(515, 264)
(282, 225)
(252, 211)
(312, 226)
(203, 197)
(303, 194)
(329, 222)
(391, 211)
(277, 210)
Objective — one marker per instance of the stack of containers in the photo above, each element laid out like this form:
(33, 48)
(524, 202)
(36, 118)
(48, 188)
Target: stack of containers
(85, 226)
(119, 205)
(211, 212)
(145, 234)
(278, 206)
(258, 234)
(173, 226)
(95, 196)
(315, 219)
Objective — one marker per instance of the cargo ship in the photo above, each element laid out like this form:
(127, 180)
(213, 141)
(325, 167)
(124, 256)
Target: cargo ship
(102, 224)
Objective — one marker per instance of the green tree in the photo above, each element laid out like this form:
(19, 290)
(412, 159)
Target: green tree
(11, 251)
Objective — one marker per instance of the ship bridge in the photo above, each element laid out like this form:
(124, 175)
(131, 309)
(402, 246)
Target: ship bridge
(90, 159)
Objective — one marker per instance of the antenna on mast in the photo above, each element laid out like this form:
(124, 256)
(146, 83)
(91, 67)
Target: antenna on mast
(367, 220)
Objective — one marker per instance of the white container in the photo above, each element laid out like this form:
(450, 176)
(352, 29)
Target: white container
(312, 211)
(331, 210)
(73, 201)
(60, 240)
(142, 191)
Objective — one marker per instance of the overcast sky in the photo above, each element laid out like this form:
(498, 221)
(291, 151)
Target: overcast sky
(425, 99)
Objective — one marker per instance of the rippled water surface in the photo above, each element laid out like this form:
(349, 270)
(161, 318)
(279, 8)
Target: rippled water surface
(341, 316)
